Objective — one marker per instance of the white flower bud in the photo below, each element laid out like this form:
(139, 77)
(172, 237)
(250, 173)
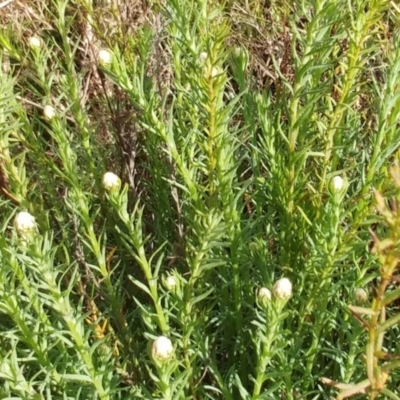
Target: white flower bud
(361, 295)
(24, 223)
(170, 283)
(264, 293)
(282, 289)
(49, 112)
(264, 296)
(237, 52)
(215, 71)
(337, 183)
(111, 181)
(105, 57)
(162, 348)
(338, 187)
(34, 42)
(203, 57)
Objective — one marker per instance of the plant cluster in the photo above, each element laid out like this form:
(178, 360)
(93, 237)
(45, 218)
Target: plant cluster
(187, 199)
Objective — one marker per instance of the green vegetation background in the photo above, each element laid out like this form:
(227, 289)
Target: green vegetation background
(248, 137)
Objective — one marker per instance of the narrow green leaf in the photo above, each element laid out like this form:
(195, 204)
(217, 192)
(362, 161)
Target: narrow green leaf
(389, 323)
(201, 297)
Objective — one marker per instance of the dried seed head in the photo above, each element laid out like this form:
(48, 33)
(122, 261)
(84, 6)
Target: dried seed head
(282, 289)
(162, 348)
(111, 181)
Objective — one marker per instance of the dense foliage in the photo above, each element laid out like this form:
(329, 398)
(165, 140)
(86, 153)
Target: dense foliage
(187, 199)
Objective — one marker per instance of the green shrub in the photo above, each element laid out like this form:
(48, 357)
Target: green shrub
(187, 199)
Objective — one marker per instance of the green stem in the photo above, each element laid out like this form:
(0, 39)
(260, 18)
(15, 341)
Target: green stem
(263, 361)
(76, 329)
(211, 138)
(153, 287)
(355, 50)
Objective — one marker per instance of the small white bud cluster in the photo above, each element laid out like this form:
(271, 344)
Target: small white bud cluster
(361, 295)
(208, 71)
(162, 349)
(338, 186)
(282, 290)
(264, 293)
(49, 112)
(170, 283)
(215, 72)
(203, 57)
(25, 224)
(34, 42)
(105, 57)
(237, 51)
(337, 183)
(264, 296)
(111, 181)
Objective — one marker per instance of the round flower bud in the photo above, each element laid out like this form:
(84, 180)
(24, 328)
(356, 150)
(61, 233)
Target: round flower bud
(105, 57)
(241, 57)
(337, 187)
(24, 223)
(282, 289)
(49, 112)
(203, 57)
(162, 349)
(34, 42)
(111, 181)
(264, 296)
(237, 51)
(337, 183)
(170, 283)
(215, 71)
(361, 295)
